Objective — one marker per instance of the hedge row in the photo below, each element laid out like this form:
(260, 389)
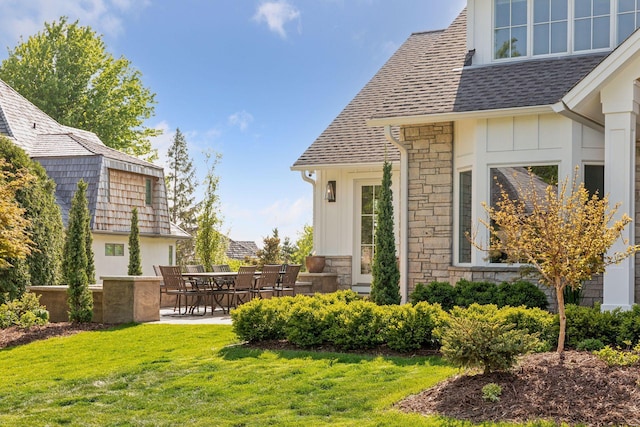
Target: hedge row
(465, 293)
(348, 322)
(344, 320)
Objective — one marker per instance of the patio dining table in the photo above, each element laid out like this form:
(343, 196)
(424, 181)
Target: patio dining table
(219, 283)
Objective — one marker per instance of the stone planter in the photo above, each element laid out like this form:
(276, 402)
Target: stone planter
(315, 263)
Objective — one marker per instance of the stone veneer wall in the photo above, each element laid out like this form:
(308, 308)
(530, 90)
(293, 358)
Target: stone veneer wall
(430, 215)
(340, 265)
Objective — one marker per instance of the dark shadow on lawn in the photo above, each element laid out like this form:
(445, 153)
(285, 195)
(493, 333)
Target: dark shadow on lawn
(242, 351)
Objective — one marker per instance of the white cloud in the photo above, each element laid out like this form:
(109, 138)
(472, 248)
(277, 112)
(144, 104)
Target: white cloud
(277, 14)
(25, 18)
(241, 119)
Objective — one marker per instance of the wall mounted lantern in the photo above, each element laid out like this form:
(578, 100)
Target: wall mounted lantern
(331, 191)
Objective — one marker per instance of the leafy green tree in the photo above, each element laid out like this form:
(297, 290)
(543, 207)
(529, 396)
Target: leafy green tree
(564, 235)
(211, 245)
(75, 263)
(303, 246)
(385, 284)
(37, 198)
(135, 265)
(271, 251)
(181, 187)
(68, 73)
(14, 227)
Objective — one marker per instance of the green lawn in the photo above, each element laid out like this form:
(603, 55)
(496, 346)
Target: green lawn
(161, 375)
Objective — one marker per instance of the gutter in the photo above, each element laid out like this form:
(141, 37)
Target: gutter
(404, 214)
(563, 109)
(306, 177)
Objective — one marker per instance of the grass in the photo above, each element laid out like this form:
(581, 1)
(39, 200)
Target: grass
(165, 375)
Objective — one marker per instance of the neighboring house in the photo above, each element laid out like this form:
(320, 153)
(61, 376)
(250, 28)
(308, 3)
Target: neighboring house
(241, 250)
(116, 181)
(509, 84)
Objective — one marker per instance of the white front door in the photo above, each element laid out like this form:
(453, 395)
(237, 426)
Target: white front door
(368, 195)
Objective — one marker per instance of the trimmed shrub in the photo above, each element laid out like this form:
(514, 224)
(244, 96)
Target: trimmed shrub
(630, 326)
(410, 327)
(477, 337)
(307, 322)
(435, 292)
(355, 325)
(24, 312)
(467, 293)
(590, 344)
(520, 293)
(262, 319)
(534, 321)
(589, 322)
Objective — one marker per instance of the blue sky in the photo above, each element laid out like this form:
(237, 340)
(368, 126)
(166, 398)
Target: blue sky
(256, 81)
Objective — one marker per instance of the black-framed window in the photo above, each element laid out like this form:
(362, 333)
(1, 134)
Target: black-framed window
(148, 186)
(464, 217)
(114, 249)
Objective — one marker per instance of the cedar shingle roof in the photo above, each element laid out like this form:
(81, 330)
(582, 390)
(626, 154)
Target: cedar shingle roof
(427, 76)
(348, 139)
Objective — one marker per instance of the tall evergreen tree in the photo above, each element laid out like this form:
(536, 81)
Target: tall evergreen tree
(271, 250)
(181, 187)
(211, 245)
(135, 264)
(37, 198)
(75, 263)
(385, 284)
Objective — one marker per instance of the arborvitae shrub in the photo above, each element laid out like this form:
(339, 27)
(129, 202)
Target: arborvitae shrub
(410, 327)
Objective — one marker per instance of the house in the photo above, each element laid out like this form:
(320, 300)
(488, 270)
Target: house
(116, 181)
(241, 249)
(509, 84)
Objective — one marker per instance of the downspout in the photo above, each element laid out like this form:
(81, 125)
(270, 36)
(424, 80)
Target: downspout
(404, 213)
(306, 176)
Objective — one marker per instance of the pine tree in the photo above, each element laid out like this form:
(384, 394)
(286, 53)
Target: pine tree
(271, 250)
(211, 245)
(75, 262)
(135, 266)
(181, 186)
(385, 288)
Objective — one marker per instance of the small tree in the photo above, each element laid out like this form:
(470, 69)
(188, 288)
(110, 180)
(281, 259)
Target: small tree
(271, 250)
(563, 235)
(135, 265)
(15, 241)
(211, 245)
(75, 263)
(303, 246)
(385, 284)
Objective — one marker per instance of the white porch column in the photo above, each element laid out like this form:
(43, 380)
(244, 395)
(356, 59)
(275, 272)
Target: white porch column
(621, 109)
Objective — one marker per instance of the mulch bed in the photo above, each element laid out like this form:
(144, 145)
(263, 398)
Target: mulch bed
(579, 389)
(15, 336)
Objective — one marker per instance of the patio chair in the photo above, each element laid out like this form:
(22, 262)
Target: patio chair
(288, 282)
(266, 283)
(176, 285)
(240, 291)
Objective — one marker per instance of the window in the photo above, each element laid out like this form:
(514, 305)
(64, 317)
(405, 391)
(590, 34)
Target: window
(512, 178)
(370, 198)
(464, 217)
(628, 18)
(594, 179)
(170, 255)
(114, 249)
(591, 24)
(510, 28)
(148, 197)
(549, 26)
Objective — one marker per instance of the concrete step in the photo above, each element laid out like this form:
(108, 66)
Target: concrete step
(304, 288)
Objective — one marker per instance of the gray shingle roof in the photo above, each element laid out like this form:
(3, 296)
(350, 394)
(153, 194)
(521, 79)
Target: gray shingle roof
(348, 139)
(241, 249)
(438, 82)
(427, 76)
